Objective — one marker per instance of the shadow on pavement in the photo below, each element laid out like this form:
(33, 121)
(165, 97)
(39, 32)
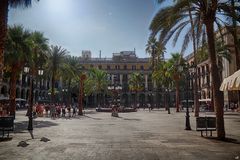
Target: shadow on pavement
(90, 112)
(228, 140)
(132, 119)
(5, 139)
(20, 127)
(92, 117)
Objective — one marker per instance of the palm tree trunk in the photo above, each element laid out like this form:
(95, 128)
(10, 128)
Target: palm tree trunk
(52, 89)
(165, 99)
(13, 81)
(177, 96)
(217, 94)
(195, 87)
(3, 33)
(80, 99)
(235, 38)
(69, 93)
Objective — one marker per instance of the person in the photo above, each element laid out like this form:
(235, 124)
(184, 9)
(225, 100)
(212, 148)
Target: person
(114, 111)
(63, 111)
(69, 111)
(27, 106)
(74, 111)
(17, 106)
(34, 111)
(46, 109)
(52, 111)
(149, 107)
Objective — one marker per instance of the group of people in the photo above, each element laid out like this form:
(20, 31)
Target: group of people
(54, 110)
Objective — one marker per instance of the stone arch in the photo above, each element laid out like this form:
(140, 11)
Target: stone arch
(23, 94)
(4, 91)
(125, 100)
(27, 94)
(203, 94)
(18, 94)
(141, 99)
(36, 95)
(133, 98)
(39, 95)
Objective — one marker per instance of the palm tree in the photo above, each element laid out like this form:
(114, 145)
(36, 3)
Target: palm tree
(96, 83)
(205, 13)
(55, 65)
(73, 71)
(18, 51)
(177, 62)
(151, 49)
(163, 76)
(136, 84)
(4, 6)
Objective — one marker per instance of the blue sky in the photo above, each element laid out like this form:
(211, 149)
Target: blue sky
(106, 25)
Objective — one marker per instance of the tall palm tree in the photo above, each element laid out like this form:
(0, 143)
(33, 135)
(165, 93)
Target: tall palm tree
(55, 65)
(96, 83)
(151, 49)
(177, 62)
(163, 76)
(4, 6)
(73, 71)
(173, 18)
(136, 84)
(39, 48)
(18, 51)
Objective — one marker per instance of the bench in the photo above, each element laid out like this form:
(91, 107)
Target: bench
(6, 124)
(206, 124)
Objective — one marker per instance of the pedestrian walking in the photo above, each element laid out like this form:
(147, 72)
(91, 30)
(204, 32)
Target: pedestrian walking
(74, 112)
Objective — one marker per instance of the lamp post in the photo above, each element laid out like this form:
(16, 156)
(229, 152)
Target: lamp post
(115, 90)
(30, 107)
(64, 92)
(187, 125)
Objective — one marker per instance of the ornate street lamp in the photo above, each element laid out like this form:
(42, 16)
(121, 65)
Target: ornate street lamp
(187, 124)
(115, 90)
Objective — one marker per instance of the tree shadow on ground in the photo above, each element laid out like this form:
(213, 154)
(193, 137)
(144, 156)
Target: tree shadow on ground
(132, 119)
(21, 127)
(92, 117)
(5, 139)
(90, 112)
(227, 140)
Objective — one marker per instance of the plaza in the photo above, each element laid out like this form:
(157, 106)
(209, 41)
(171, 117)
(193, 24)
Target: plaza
(133, 136)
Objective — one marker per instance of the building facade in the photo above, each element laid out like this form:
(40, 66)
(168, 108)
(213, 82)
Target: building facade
(227, 68)
(119, 68)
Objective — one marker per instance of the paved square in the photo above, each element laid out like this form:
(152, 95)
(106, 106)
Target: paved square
(140, 135)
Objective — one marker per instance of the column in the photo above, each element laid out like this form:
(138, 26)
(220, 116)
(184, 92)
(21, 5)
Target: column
(154, 84)
(146, 82)
(112, 79)
(121, 79)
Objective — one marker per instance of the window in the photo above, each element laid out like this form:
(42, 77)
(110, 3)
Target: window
(125, 67)
(142, 67)
(133, 67)
(117, 67)
(99, 67)
(108, 67)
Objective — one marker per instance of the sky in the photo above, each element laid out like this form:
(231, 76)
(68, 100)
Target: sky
(107, 25)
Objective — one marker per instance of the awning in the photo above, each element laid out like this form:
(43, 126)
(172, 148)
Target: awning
(231, 83)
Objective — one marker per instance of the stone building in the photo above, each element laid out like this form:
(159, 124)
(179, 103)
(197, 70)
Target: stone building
(227, 68)
(119, 68)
